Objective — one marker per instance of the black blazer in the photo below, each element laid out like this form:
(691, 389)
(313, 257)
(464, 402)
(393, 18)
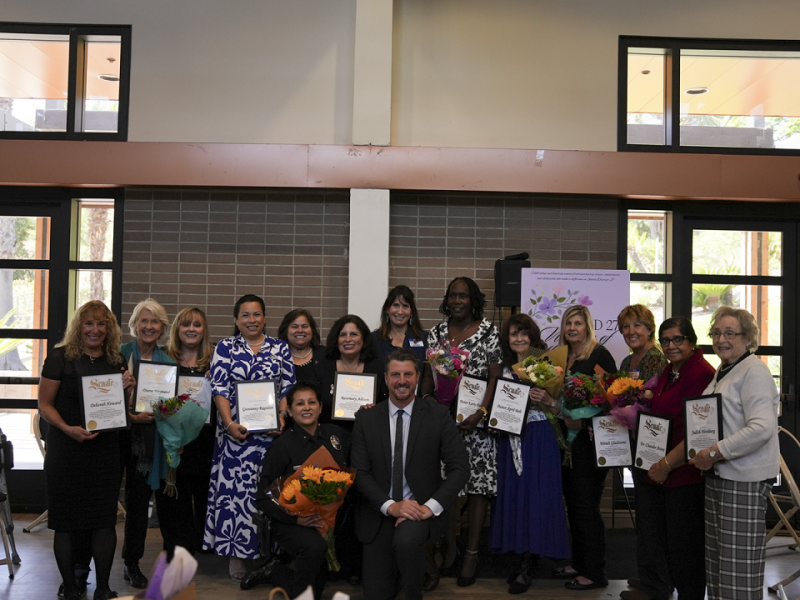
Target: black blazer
(432, 437)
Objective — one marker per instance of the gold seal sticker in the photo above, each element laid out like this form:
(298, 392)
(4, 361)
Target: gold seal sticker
(140, 407)
(692, 453)
(638, 462)
(245, 424)
(460, 418)
(601, 461)
(493, 422)
(91, 425)
(339, 412)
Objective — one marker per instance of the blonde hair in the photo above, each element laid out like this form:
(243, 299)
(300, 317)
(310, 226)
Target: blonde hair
(746, 320)
(158, 312)
(73, 342)
(591, 340)
(174, 343)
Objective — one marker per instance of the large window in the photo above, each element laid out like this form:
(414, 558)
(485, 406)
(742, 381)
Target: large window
(58, 249)
(64, 81)
(721, 96)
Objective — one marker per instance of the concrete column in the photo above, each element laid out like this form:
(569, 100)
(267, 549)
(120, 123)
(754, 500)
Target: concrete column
(369, 253)
(372, 88)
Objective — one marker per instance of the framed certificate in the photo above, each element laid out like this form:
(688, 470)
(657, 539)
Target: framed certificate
(198, 387)
(153, 381)
(471, 392)
(103, 406)
(351, 391)
(612, 443)
(510, 406)
(257, 405)
(652, 440)
(703, 423)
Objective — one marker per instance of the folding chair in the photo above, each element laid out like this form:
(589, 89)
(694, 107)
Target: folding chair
(785, 498)
(6, 522)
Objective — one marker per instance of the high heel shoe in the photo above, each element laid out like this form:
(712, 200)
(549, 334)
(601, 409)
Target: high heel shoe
(468, 581)
(522, 579)
(450, 570)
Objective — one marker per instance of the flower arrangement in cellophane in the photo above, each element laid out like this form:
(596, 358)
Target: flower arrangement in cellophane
(448, 364)
(627, 397)
(315, 490)
(584, 398)
(179, 420)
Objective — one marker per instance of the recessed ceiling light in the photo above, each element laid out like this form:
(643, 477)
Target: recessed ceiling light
(696, 91)
(113, 78)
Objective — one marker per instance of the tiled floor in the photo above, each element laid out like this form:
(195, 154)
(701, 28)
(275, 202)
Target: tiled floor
(36, 578)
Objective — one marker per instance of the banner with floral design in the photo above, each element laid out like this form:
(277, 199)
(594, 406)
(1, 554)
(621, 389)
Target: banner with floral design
(547, 293)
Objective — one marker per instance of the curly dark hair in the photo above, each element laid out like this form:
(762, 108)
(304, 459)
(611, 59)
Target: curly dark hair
(477, 299)
(290, 318)
(523, 323)
(404, 292)
(332, 343)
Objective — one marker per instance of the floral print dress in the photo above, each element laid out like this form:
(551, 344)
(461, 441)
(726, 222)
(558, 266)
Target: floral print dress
(484, 350)
(236, 466)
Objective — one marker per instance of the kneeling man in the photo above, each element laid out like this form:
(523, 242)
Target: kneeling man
(397, 447)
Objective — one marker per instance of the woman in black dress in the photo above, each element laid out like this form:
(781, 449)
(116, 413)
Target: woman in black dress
(182, 517)
(299, 330)
(82, 468)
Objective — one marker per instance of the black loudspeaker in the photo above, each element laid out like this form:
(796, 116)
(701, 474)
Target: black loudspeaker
(508, 281)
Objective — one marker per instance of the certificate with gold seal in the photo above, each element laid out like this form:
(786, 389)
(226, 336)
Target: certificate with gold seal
(198, 387)
(351, 391)
(612, 443)
(103, 406)
(154, 380)
(510, 406)
(653, 435)
(257, 405)
(703, 423)
(471, 392)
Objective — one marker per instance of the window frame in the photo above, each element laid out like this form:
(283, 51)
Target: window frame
(78, 35)
(672, 48)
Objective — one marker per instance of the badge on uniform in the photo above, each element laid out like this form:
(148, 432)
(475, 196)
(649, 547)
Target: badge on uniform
(337, 445)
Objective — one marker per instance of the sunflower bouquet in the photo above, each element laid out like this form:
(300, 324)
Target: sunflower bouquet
(627, 397)
(316, 490)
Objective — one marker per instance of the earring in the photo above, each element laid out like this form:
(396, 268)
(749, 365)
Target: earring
(385, 317)
(411, 321)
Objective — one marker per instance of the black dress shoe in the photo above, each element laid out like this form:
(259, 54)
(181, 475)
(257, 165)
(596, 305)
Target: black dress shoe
(105, 594)
(576, 585)
(134, 576)
(431, 581)
(262, 574)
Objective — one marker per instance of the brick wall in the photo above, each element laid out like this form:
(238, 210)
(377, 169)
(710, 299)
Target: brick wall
(207, 247)
(436, 237)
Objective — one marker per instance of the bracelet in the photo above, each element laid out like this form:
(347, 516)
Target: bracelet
(427, 396)
(667, 463)
(228, 425)
(484, 411)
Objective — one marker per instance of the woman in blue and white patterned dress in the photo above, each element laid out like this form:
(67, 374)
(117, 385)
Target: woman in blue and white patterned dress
(250, 355)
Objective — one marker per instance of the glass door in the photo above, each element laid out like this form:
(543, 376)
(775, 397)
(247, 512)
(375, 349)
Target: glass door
(750, 265)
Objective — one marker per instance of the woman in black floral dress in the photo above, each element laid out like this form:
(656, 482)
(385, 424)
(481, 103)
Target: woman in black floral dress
(466, 327)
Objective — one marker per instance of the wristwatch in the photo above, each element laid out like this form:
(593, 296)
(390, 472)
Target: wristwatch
(713, 454)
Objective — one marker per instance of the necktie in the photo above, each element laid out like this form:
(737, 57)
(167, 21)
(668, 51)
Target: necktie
(397, 461)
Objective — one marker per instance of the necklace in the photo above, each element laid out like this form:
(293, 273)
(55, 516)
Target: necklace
(259, 344)
(673, 375)
(727, 368)
(463, 329)
(93, 358)
(297, 356)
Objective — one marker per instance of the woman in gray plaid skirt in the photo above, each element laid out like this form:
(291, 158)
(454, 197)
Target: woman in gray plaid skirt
(742, 466)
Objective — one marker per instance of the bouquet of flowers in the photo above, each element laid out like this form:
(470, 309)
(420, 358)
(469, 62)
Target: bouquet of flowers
(179, 421)
(448, 364)
(627, 397)
(541, 373)
(315, 490)
(585, 398)
(172, 579)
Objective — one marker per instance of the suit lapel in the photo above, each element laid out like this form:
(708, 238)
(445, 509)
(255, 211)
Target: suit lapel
(383, 431)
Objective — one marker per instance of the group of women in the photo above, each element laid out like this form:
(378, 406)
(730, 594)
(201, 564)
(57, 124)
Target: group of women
(534, 496)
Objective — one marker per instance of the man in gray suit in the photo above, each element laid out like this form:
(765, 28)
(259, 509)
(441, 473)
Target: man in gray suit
(403, 498)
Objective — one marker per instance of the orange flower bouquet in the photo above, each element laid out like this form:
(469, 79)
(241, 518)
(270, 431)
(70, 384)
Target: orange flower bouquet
(315, 490)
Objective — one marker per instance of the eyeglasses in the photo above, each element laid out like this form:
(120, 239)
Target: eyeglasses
(728, 335)
(677, 340)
